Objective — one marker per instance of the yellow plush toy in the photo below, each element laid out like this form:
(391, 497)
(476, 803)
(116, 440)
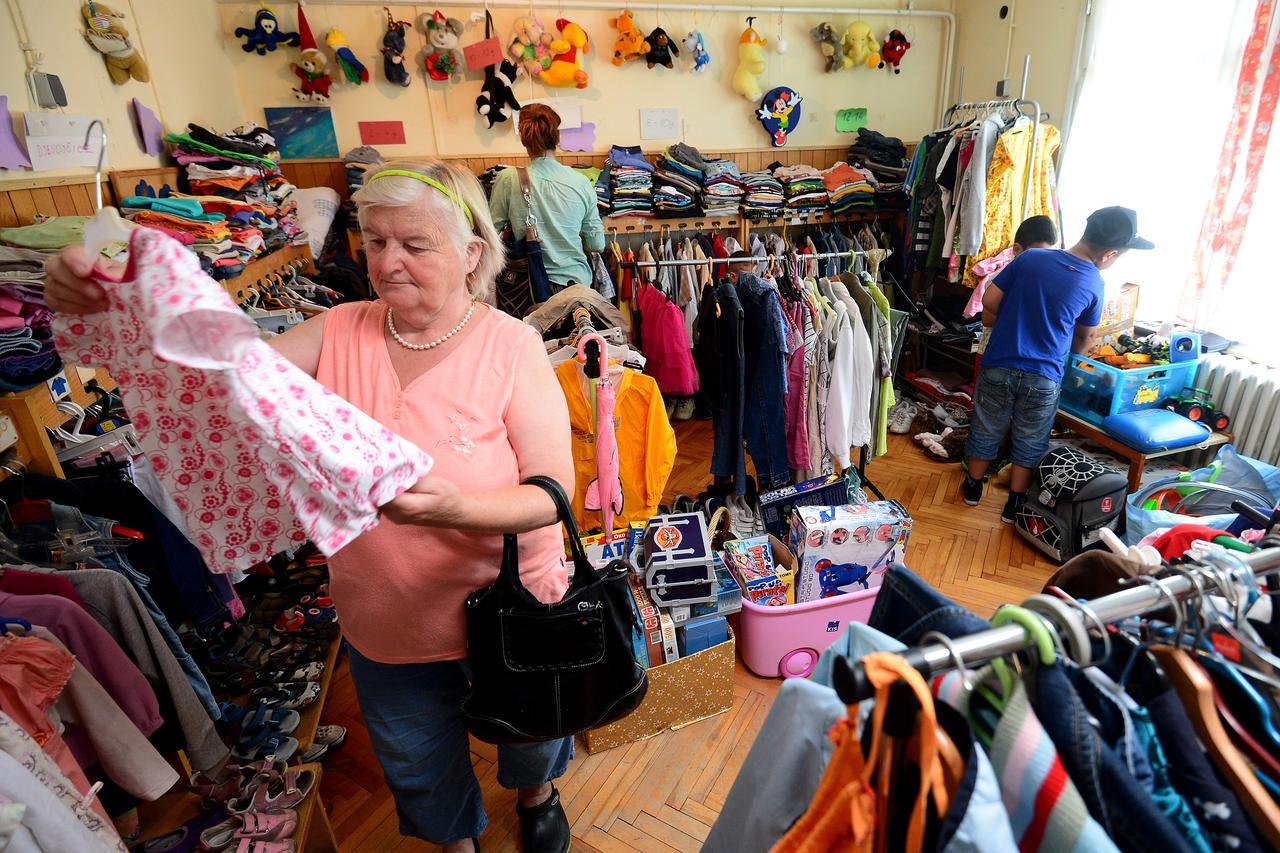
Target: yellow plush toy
(860, 45)
(105, 33)
(566, 57)
(630, 44)
(746, 79)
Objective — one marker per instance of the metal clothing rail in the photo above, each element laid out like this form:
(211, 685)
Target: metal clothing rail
(1016, 103)
(850, 679)
(699, 262)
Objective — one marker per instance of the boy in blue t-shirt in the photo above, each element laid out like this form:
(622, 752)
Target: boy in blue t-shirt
(1046, 303)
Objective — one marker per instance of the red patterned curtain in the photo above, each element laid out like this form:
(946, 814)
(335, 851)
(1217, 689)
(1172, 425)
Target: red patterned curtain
(1235, 183)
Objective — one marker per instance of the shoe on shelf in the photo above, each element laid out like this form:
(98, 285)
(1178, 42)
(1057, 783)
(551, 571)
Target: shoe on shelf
(971, 489)
(684, 409)
(1010, 512)
(901, 416)
(327, 739)
(544, 827)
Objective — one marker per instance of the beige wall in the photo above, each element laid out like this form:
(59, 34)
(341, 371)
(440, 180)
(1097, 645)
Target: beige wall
(191, 77)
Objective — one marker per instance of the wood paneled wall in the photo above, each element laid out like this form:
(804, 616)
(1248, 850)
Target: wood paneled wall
(20, 201)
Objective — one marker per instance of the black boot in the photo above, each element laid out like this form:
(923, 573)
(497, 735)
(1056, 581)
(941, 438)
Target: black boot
(544, 827)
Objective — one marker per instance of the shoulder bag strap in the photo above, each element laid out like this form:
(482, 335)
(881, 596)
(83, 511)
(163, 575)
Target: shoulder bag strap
(526, 189)
(583, 571)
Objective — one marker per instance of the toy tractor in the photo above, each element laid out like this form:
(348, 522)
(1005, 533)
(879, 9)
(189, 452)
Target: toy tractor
(1196, 404)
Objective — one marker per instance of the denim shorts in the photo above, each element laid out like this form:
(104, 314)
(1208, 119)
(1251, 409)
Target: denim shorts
(1024, 404)
(413, 712)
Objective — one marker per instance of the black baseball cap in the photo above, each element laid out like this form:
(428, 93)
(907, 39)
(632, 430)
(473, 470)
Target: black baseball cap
(1115, 228)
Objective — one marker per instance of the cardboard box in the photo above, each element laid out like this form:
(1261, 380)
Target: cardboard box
(670, 647)
(680, 693)
(778, 504)
(762, 580)
(646, 639)
(601, 549)
(728, 599)
(1118, 312)
(847, 548)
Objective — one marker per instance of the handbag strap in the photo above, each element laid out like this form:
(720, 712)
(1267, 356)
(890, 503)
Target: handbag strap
(530, 218)
(583, 572)
(488, 25)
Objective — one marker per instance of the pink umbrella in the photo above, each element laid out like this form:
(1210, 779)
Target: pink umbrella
(607, 498)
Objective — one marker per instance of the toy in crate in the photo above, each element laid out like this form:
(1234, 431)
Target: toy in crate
(679, 565)
(847, 548)
(1196, 404)
(1095, 389)
(777, 506)
(1071, 499)
(762, 579)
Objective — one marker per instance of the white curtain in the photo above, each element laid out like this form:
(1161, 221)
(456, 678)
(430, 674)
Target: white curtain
(1155, 91)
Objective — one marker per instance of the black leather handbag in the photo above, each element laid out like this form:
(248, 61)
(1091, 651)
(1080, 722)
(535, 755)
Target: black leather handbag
(546, 671)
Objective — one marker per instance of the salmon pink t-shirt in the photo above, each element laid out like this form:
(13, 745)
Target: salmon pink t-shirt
(399, 589)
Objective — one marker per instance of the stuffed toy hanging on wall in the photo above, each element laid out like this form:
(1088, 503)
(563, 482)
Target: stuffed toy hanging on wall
(746, 79)
(780, 114)
(566, 57)
(352, 69)
(860, 45)
(393, 51)
(894, 47)
(265, 34)
(530, 45)
(630, 44)
(661, 47)
(105, 34)
(496, 99)
(829, 43)
(309, 68)
(696, 50)
(444, 35)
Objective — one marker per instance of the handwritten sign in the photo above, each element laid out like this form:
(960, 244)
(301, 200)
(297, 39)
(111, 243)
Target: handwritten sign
(660, 124)
(849, 120)
(56, 141)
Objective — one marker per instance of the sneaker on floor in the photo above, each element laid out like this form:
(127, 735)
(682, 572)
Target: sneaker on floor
(950, 415)
(972, 490)
(742, 522)
(1010, 512)
(684, 409)
(671, 409)
(901, 416)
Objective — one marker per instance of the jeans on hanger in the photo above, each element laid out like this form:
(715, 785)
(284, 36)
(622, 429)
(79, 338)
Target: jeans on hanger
(38, 540)
(764, 421)
(907, 608)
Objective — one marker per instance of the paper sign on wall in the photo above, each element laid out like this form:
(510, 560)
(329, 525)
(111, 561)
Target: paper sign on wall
(56, 141)
(848, 121)
(569, 110)
(578, 138)
(381, 133)
(660, 124)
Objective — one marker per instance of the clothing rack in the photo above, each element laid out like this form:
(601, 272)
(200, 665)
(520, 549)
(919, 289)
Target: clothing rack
(850, 679)
(1017, 104)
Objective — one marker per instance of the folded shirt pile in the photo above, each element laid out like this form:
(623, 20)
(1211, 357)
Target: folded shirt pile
(886, 158)
(27, 354)
(722, 188)
(849, 188)
(631, 182)
(803, 188)
(357, 162)
(764, 199)
(604, 190)
(677, 184)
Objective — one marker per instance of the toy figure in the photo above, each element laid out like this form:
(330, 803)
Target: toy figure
(829, 44)
(746, 79)
(831, 577)
(894, 47)
(630, 44)
(310, 66)
(265, 34)
(780, 114)
(445, 37)
(860, 45)
(660, 49)
(107, 35)
(566, 61)
(696, 49)
(393, 51)
(530, 46)
(352, 69)
(496, 99)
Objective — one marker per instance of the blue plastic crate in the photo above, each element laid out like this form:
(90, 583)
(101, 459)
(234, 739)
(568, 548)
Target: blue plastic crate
(1093, 390)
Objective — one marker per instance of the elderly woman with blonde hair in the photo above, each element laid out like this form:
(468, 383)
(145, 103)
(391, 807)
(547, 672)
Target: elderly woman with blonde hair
(433, 361)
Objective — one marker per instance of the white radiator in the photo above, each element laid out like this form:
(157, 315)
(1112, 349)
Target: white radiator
(1250, 393)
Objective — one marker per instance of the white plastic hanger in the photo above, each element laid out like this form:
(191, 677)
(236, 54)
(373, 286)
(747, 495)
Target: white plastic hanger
(1144, 555)
(106, 227)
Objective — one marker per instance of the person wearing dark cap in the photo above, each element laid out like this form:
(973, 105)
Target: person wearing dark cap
(1044, 304)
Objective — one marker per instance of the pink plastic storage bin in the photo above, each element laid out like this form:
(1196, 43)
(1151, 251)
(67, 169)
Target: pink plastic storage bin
(787, 640)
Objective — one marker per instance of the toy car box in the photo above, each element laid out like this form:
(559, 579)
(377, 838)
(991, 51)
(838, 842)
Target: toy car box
(728, 598)
(847, 548)
(763, 581)
(679, 565)
(776, 506)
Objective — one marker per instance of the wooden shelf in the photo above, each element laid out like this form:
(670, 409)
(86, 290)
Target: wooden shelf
(34, 413)
(244, 285)
(306, 730)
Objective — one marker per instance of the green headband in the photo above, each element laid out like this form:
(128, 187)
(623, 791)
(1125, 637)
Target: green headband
(431, 182)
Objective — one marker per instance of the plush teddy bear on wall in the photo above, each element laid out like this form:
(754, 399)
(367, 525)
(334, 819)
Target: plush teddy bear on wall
(630, 44)
(829, 43)
(696, 49)
(309, 68)
(566, 56)
(105, 34)
(445, 37)
(661, 47)
(860, 45)
(894, 47)
(496, 99)
(746, 78)
(530, 45)
(265, 34)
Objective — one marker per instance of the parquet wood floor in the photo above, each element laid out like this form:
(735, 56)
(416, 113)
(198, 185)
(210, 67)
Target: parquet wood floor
(664, 794)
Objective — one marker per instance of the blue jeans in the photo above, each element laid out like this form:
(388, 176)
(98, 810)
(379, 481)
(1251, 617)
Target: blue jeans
(1014, 400)
(413, 712)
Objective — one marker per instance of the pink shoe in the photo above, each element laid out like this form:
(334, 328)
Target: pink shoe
(285, 791)
(268, 826)
(248, 845)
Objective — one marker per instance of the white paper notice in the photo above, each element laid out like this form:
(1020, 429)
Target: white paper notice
(660, 124)
(56, 141)
(569, 110)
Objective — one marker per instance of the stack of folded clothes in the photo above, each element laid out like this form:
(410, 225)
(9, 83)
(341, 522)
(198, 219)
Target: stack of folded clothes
(677, 182)
(27, 355)
(764, 198)
(722, 188)
(604, 190)
(631, 182)
(886, 158)
(357, 162)
(849, 188)
(804, 189)
(185, 219)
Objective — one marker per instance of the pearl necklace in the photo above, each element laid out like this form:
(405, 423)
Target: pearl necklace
(391, 327)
